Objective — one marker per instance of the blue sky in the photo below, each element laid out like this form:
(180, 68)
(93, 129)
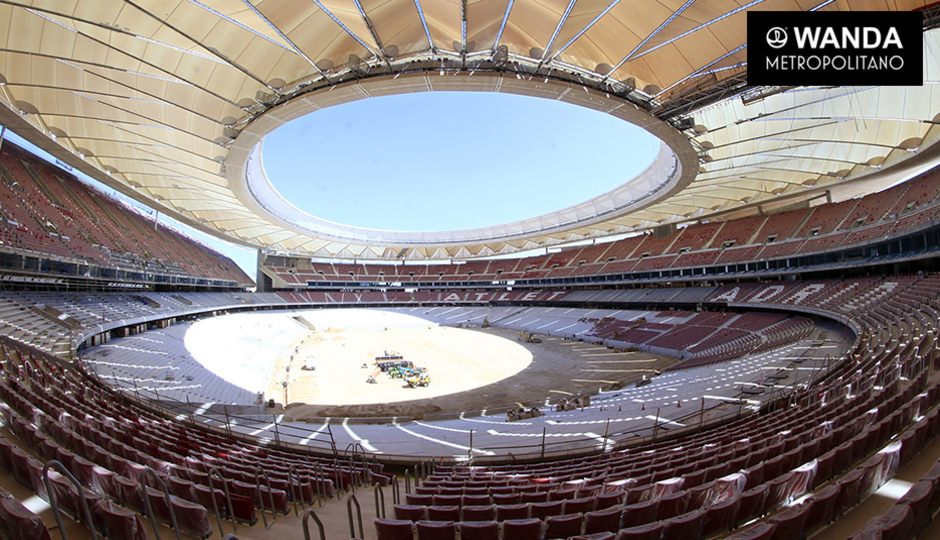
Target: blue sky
(451, 160)
(437, 161)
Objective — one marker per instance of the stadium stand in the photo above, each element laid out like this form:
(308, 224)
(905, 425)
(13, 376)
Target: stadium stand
(896, 211)
(47, 212)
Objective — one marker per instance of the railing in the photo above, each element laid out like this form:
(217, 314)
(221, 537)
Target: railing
(54, 502)
(212, 473)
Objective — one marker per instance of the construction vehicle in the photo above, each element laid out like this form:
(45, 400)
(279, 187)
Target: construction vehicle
(522, 412)
(528, 337)
(418, 378)
(388, 365)
(582, 400)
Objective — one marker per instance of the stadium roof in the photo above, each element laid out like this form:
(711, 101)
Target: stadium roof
(166, 100)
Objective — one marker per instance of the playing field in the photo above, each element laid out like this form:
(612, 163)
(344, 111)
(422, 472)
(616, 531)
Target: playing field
(343, 345)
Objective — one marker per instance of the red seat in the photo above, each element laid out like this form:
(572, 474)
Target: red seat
(759, 531)
(791, 523)
(849, 491)
(447, 500)
(595, 536)
(606, 520)
(752, 503)
(444, 513)
(410, 512)
(119, 523)
(436, 530)
(687, 526)
(579, 505)
(563, 526)
(478, 530)
(672, 505)
(535, 496)
(897, 523)
(606, 500)
(650, 531)
(639, 513)
(522, 529)
(720, 516)
(418, 499)
(512, 511)
(507, 498)
(824, 504)
(476, 500)
(918, 498)
(543, 510)
(478, 513)
(19, 523)
(394, 529)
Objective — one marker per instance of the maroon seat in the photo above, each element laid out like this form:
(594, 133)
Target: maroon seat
(824, 505)
(523, 529)
(563, 526)
(672, 505)
(543, 510)
(410, 512)
(478, 530)
(720, 516)
(19, 523)
(478, 513)
(436, 530)
(476, 500)
(606, 520)
(444, 513)
(606, 500)
(849, 491)
(535, 496)
(512, 511)
(70, 499)
(687, 526)
(418, 499)
(579, 505)
(758, 531)
(918, 498)
(639, 513)
(778, 491)
(507, 498)
(650, 531)
(562, 494)
(791, 523)
(897, 523)
(119, 523)
(447, 500)
(595, 536)
(394, 529)
(752, 503)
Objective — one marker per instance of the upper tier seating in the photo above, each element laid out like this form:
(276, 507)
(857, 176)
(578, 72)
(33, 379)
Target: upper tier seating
(44, 210)
(892, 212)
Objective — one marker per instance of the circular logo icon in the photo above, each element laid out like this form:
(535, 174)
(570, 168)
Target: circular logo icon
(776, 37)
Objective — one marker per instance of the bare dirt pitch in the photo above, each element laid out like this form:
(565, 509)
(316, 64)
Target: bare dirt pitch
(470, 369)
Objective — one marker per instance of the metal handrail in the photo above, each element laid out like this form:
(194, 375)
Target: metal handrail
(308, 513)
(228, 499)
(350, 501)
(142, 487)
(259, 474)
(54, 503)
(379, 496)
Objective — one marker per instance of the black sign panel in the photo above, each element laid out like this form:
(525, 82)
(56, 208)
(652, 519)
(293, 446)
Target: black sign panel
(794, 48)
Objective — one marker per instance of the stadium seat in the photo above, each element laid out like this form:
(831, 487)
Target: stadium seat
(605, 520)
(394, 529)
(523, 529)
(563, 526)
(478, 530)
(436, 530)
